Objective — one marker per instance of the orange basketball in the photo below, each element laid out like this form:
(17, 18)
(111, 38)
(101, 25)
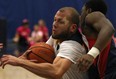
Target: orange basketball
(41, 52)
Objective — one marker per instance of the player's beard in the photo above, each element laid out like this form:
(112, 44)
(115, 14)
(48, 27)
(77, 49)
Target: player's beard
(63, 35)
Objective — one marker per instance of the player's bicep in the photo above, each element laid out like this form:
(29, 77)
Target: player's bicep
(103, 24)
(61, 64)
(97, 20)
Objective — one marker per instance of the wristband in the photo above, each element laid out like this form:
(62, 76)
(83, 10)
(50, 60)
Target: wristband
(94, 52)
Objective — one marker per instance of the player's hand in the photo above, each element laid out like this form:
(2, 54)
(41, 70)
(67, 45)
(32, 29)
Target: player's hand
(24, 56)
(85, 62)
(9, 59)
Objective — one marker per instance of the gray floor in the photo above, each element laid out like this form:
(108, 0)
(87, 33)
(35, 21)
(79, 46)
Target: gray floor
(12, 72)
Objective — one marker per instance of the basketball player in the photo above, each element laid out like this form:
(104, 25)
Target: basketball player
(98, 31)
(66, 35)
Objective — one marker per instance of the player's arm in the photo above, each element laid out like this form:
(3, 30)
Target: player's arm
(105, 31)
(47, 70)
(104, 28)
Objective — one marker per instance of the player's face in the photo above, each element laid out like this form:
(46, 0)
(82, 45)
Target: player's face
(61, 26)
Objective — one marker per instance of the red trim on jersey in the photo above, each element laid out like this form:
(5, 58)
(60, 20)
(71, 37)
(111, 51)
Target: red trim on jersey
(102, 59)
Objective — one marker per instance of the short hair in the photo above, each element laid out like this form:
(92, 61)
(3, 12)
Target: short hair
(97, 5)
(74, 15)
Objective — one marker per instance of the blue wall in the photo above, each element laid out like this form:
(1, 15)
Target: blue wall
(16, 10)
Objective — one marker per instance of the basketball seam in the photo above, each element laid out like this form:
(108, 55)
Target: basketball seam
(42, 47)
(41, 57)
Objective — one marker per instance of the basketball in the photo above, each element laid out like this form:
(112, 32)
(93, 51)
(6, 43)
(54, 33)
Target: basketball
(41, 52)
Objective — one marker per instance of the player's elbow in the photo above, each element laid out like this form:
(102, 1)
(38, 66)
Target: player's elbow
(110, 30)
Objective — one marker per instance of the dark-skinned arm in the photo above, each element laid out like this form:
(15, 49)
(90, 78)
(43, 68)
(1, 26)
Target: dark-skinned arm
(104, 28)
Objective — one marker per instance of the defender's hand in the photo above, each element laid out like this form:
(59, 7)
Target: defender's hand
(85, 62)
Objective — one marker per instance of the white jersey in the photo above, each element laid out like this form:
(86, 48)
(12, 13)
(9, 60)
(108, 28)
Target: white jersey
(70, 50)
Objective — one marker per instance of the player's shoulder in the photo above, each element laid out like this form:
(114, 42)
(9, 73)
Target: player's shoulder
(94, 16)
(72, 46)
(70, 43)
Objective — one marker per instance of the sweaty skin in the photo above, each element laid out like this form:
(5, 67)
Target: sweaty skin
(96, 26)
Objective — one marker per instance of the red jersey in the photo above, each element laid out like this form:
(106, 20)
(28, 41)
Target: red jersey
(102, 59)
(24, 32)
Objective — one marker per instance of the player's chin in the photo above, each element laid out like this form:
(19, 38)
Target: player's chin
(55, 36)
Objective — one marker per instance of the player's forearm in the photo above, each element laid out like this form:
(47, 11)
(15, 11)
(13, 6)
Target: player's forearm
(104, 37)
(44, 70)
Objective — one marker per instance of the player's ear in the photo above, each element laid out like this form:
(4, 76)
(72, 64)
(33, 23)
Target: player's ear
(73, 27)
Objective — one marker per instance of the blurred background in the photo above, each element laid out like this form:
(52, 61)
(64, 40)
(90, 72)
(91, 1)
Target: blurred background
(13, 12)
